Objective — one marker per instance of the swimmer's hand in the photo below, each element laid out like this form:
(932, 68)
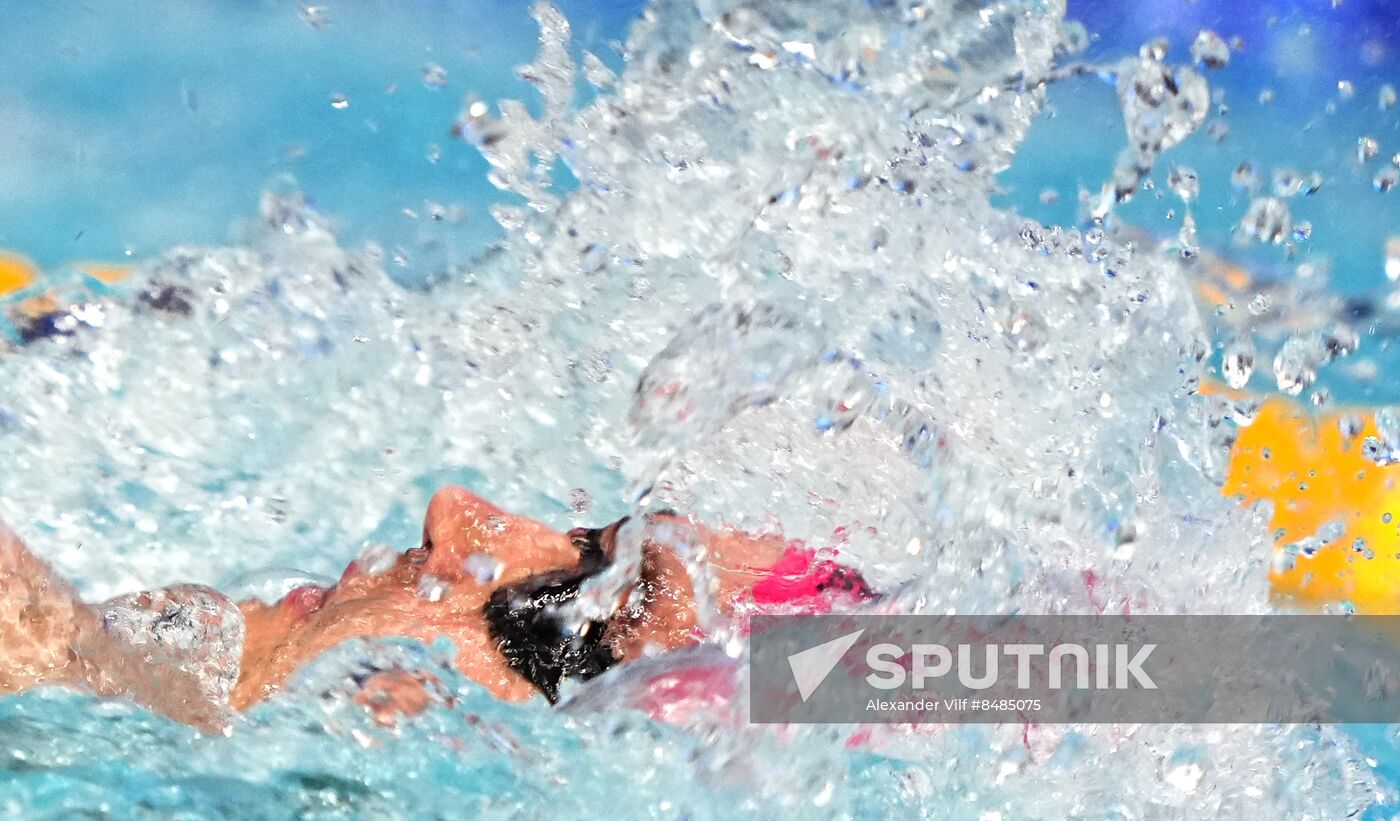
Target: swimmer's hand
(391, 694)
(49, 636)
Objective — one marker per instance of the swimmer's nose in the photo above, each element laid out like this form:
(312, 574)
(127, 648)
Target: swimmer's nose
(461, 527)
(458, 523)
(451, 511)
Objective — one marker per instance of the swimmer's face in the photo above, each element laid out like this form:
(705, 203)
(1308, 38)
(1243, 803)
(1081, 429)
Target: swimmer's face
(467, 537)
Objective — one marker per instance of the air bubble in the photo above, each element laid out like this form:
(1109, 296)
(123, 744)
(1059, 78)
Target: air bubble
(339, 101)
(1386, 179)
(1387, 97)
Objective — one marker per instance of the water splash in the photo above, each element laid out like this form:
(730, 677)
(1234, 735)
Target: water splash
(983, 413)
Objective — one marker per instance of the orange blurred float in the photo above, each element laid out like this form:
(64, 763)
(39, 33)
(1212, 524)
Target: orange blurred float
(1319, 481)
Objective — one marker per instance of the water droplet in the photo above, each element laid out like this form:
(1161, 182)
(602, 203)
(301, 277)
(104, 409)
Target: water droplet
(339, 101)
(1266, 96)
(376, 558)
(1384, 448)
(314, 16)
(1245, 178)
(1161, 106)
(724, 359)
(1244, 411)
(1186, 238)
(431, 588)
(1295, 366)
(1388, 425)
(1267, 221)
(1302, 230)
(1210, 50)
(1387, 97)
(1386, 179)
(1237, 364)
(596, 72)
(1345, 89)
(485, 569)
(1155, 49)
(580, 500)
(434, 76)
(1184, 181)
(1288, 182)
(1074, 36)
(593, 258)
(1366, 149)
(762, 60)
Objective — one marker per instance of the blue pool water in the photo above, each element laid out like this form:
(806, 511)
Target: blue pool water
(137, 130)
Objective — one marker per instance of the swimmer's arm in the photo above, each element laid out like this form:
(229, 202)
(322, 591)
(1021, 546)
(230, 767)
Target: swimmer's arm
(48, 636)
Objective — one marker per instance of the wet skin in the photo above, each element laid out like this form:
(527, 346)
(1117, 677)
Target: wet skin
(48, 636)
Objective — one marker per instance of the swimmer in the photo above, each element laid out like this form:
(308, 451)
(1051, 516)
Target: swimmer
(508, 636)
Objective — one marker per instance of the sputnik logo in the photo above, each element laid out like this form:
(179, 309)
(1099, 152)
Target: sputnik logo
(811, 667)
